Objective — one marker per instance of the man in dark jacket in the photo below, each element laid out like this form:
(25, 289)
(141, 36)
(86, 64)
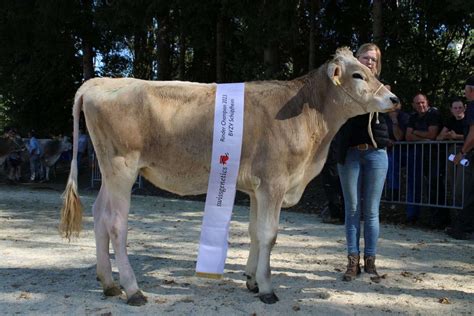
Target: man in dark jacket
(464, 224)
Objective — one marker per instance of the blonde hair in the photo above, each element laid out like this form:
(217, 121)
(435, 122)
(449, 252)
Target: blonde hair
(371, 46)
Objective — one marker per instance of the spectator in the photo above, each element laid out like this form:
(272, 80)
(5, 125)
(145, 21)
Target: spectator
(464, 223)
(454, 130)
(14, 159)
(397, 122)
(34, 150)
(423, 125)
(454, 126)
(65, 155)
(362, 166)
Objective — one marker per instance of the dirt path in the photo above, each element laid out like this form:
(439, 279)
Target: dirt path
(427, 273)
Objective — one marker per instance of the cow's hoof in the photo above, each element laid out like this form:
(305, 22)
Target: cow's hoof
(137, 299)
(253, 289)
(113, 291)
(269, 298)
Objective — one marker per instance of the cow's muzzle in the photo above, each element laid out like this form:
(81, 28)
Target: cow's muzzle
(395, 102)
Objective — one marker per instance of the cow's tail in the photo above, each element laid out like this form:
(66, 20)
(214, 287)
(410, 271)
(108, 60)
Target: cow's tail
(71, 212)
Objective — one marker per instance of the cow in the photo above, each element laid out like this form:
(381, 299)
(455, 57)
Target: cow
(163, 131)
(51, 150)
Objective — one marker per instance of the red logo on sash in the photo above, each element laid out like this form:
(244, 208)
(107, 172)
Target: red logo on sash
(223, 159)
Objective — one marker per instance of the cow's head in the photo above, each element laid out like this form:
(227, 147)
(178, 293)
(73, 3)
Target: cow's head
(357, 87)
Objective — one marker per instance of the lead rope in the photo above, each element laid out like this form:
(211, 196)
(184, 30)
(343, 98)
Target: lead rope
(371, 115)
(369, 129)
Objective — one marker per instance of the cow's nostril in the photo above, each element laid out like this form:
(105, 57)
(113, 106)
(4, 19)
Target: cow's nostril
(394, 100)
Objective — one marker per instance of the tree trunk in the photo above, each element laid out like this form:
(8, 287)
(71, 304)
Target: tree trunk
(164, 50)
(182, 51)
(87, 60)
(270, 15)
(139, 64)
(270, 59)
(377, 23)
(314, 6)
(87, 50)
(220, 38)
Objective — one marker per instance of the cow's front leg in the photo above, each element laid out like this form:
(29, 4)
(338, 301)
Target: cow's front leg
(104, 269)
(119, 208)
(252, 260)
(268, 214)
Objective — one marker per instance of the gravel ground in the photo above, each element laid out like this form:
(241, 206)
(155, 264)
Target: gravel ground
(425, 272)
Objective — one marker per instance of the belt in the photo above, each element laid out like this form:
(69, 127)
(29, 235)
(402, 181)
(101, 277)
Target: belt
(363, 146)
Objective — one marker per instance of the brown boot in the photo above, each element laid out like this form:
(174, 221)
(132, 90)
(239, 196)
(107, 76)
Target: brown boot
(369, 265)
(353, 268)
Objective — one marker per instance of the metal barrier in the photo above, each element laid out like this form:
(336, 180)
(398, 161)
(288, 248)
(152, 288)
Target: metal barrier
(420, 174)
(96, 176)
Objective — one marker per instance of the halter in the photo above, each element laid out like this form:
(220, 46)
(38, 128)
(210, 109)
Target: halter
(371, 115)
(338, 83)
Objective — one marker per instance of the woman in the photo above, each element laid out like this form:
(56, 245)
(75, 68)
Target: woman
(362, 166)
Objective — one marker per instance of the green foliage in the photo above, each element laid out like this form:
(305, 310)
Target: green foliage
(427, 46)
(39, 64)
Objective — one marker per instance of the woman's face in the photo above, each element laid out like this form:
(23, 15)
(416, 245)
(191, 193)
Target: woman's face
(369, 59)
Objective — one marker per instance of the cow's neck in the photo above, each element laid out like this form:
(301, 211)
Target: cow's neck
(330, 113)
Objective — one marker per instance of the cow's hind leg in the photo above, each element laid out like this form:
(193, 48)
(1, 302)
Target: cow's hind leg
(118, 183)
(268, 214)
(252, 260)
(102, 240)
(117, 229)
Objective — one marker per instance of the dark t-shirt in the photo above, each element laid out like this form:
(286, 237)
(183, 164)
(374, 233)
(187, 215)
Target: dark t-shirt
(421, 123)
(468, 117)
(455, 125)
(402, 119)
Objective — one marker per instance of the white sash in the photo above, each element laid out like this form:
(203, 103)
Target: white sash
(225, 161)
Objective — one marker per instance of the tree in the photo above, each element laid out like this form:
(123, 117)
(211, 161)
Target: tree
(51, 46)
(377, 24)
(39, 68)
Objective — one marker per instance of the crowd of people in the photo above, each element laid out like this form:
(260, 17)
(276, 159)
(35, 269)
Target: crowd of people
(33, 152)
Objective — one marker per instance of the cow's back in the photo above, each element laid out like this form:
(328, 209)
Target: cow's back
(51, 147)
(168, 125)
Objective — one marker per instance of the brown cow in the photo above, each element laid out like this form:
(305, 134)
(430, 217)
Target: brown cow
(163, 131)
(51, 151)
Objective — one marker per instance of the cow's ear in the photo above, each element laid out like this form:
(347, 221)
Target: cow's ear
(335, 73)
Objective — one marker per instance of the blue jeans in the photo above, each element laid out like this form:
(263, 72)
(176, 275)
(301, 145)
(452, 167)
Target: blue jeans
(362, 180)
(35, 167)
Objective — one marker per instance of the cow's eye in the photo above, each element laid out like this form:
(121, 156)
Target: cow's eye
(357, 76)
